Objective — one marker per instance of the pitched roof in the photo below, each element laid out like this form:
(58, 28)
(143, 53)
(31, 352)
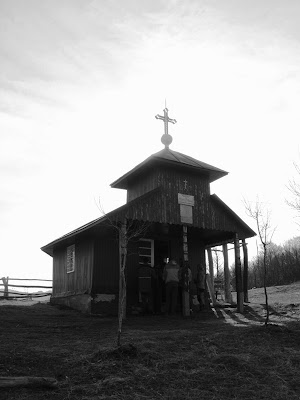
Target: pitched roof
(105, 220)
(174, 158)
(248, 232)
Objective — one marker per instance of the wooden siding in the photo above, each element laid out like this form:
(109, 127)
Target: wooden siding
(106, 268)
(161, 204)
(143, 184)
(79, 281)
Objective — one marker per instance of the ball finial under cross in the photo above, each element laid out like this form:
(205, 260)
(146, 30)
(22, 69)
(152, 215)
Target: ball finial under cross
(166, 139)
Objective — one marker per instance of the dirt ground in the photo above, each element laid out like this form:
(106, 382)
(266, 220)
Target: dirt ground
(218, 355)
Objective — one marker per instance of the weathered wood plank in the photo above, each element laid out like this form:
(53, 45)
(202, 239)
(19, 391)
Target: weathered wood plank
(227, 288)
(238, 276)
(27, 381)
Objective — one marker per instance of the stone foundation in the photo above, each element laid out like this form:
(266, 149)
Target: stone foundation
(80, 302)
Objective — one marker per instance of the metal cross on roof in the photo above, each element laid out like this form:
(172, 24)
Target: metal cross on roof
(166, 119)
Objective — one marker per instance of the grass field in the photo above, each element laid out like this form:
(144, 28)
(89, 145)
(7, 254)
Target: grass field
(213, 355)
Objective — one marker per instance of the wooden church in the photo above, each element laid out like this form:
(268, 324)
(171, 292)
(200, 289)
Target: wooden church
(170, 206)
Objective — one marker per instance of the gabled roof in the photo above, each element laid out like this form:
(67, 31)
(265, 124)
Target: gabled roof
(248, 232)
(174, 158)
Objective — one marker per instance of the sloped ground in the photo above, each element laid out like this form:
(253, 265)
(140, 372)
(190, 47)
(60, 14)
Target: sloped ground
(217, 355)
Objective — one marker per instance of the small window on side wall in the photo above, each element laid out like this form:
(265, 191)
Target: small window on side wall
(71, 258)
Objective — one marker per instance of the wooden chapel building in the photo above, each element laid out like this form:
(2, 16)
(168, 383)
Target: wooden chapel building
(169, 195)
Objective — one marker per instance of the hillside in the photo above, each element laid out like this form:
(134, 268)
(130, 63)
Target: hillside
(286, 294)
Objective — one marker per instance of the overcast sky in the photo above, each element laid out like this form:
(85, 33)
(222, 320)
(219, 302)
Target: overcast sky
(81, 82)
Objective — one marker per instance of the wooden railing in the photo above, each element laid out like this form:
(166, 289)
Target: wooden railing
(7, 293)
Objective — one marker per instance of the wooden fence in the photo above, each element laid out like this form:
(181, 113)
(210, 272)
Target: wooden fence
(7, 288)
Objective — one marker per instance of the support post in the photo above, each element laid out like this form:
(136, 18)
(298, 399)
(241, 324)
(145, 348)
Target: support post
(227, 288)
(238, 276)
(211, 267)
(245, 272)
(122, 280)
(210, 282)
(185, 286)
(5, 284)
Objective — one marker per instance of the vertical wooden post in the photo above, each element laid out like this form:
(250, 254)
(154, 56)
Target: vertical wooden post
(245, 272)
(185, 286)
(227, 288)
(211, 267)
(210, 282)
(238, 276)
(122, 280)
(5, 284)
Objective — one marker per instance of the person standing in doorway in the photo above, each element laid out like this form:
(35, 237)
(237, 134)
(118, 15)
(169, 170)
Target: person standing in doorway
(171, 278)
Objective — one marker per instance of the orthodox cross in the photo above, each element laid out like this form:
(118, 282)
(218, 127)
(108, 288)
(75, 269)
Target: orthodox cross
(185, 184)
(166, 119)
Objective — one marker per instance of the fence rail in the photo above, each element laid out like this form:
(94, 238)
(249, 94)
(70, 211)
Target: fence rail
(10, 294)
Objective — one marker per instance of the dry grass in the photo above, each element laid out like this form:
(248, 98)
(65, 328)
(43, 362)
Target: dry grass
(212, 356)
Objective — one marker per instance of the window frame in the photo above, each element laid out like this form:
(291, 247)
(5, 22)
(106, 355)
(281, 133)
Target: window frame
(70, 259)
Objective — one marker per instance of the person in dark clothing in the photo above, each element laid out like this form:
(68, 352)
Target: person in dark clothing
(171, 278)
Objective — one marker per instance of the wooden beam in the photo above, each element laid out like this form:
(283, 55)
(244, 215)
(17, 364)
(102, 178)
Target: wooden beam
(210, 278)
(28, 286)
(238, 276)
(227, 288)
(211, 290)
(245, 271)
(27, 381)
(211, 267)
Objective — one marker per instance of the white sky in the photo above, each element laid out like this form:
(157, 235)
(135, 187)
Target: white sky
(81, 82)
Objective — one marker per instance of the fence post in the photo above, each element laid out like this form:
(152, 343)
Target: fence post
(5, 284)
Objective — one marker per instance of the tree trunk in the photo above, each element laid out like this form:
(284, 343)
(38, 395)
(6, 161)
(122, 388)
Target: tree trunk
(245, 272)
(227, 287)
(265, 284)
(238, 276)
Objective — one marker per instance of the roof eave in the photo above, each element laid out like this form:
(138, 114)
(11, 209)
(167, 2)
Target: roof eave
(229, 210)
(122, 182)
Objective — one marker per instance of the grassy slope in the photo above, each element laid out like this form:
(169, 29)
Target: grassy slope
(213, 356)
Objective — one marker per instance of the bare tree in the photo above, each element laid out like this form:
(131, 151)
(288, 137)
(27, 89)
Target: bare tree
(294, 188)
(261, 215)
(127, 231)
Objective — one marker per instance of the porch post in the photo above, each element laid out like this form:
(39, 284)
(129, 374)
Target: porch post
(122, 264)
(211, 266)
(227, 288)
(238, 276)
(245, 272)
(185, 286)
(210, 281)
